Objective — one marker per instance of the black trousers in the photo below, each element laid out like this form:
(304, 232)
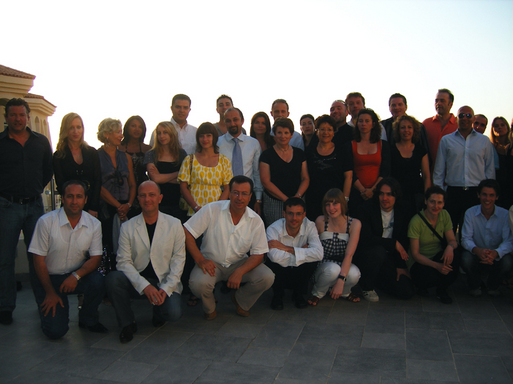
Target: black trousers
(460, 199)
(425, 277)
(295, 278)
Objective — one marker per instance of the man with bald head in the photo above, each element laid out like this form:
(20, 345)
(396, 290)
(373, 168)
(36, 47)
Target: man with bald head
(464, 158)
(150, 261)
(343, 131)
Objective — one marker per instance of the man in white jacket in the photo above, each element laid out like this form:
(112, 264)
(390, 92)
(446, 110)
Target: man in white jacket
(150, 261)
(294, 250)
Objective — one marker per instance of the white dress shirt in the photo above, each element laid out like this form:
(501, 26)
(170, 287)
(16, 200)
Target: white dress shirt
(66, 249)
(464, 163)
(251, 150)
(307, 235)
(186, 136)
(224, 242)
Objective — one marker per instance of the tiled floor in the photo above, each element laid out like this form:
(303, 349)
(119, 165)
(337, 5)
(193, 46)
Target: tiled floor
(416, 341)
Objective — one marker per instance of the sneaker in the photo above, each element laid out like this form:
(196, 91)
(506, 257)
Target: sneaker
(371, 296)
(475, 292)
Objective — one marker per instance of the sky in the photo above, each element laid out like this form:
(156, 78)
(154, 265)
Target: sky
(121, 58)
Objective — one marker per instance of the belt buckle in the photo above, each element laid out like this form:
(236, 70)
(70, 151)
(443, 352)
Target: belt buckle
(466, 188)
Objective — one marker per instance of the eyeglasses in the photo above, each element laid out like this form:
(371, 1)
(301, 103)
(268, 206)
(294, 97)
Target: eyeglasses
(243, 194)
(467, 115)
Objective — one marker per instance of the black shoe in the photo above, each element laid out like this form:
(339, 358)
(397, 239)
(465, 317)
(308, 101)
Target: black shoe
(127, 333)
(422, 292)
(5, 317)
(277, 303)
(300, 302)
(97, 328)
(19, 286)
(158, 321)
(444, 297)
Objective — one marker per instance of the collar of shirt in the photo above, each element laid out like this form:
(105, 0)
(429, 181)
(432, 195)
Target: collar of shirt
(248, 213)
(5, 133)
(63, 220)
(228, 137)
(177, 126)
(472, 133)
(302, 229)
(452, 119)
(480, 213)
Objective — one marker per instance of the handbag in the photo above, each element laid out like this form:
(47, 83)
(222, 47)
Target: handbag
(184, 206)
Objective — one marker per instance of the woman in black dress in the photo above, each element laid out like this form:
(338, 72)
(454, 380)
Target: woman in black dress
(409, 162)
(163, 164)
(75, 160)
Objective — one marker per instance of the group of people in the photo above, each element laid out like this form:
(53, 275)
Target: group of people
(344, 203)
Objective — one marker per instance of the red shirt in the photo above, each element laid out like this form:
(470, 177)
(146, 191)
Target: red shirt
(366, 167)
(435, 132)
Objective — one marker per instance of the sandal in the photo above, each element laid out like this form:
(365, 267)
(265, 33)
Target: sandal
(193, 301)
(352, 298)
(313, 301)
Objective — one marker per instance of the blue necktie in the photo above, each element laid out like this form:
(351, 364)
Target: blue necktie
(237, 158)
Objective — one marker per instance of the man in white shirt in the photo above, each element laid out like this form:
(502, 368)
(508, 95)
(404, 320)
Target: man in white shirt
(294, 250)
(280, 108)
(249, 150)
(150, 261)
(230, 231)
(67, 249)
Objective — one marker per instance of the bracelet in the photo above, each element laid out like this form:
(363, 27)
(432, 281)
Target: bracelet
(77, 276)
(342, 277)
(258, 201)
(129, 206)
(195, 209)
(298, 195)
(347, 198)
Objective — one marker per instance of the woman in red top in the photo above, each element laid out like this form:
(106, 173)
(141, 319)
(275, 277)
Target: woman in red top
(371, 158)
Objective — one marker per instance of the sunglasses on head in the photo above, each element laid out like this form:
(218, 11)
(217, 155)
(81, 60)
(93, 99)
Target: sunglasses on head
(467, 115)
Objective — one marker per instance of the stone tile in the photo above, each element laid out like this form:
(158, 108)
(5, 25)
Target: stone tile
(354, 379)
(157, 347)
(434, 320)
(317, 314)
(370, 361)
(508, 364)
(385, 320)
(470, 369)
(240, 329)
(230, 373)
(278, 334)
(127, 372)
(213, 347)
(473, 343)
(268, 357)
(348, 313)
(431, 370)
(309, 362)
(83, 380)
(485, 326)
(177, 370)
(432, 304)
(427, 345)
(384, 341)
(477, 309)
(290, 381)
(394, 380)
(349, 336)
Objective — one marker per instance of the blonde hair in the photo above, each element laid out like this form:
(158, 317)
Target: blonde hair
(107, 126)
(174, 143)
(64, 132)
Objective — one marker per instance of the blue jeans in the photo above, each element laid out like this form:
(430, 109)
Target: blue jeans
(93, 288)
(120, 290)
(496, 272)
(15, 218)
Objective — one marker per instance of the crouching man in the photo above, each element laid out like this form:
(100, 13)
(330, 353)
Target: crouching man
(67, 249)
(150, 261)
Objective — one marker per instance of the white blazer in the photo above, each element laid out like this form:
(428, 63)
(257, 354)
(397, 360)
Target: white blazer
(167, 252)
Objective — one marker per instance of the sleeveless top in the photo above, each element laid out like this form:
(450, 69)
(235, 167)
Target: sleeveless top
(139, 167)
(366, 167)
(334, 244)
(115, 180)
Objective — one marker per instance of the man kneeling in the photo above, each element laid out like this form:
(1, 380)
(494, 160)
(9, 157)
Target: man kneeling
(150, 260)
(67, 249)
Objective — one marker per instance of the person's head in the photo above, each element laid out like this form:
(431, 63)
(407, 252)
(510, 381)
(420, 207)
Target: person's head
(480, 123)
(334, 203)
(261, 125)
(488, 192)
(406, 128)
(354, 102)
(166, 136)
(306, 122)
(149, 197)
(443, 102)
(465, 119)
(74, 198)
(17, 113)
(109, 132)
(283, 129)
(387, 191)
(338, 111)
(367, 121)
(325, 128)
(234, 119)
(72, 131)
(500, 129)
(241, 188)
(180, 107)
(279, 108)
(206, 137)
(223, 102)
(134, 128)
(397, 105)
(434, 199)
(294, 212)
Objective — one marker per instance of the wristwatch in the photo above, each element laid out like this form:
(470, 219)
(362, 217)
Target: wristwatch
(76, 275)
(342, 277)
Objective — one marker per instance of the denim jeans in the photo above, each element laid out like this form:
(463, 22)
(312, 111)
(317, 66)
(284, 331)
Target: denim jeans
(120, 290)
(93, 288)
(474, 269)
(15, 218)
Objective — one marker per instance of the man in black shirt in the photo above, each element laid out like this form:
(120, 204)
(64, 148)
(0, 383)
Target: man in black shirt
(25, 170)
